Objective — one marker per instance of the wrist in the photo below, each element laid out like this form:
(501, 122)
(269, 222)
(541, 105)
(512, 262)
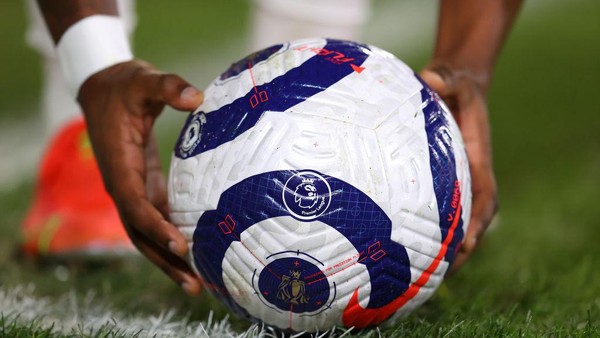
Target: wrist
(91, 45)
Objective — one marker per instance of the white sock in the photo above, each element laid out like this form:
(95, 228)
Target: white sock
(276, 21)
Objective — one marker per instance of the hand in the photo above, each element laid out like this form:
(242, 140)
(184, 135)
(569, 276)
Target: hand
(120, 104)
(464, 95)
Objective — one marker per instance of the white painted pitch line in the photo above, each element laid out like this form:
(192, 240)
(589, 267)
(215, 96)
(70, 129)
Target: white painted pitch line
(90, 316)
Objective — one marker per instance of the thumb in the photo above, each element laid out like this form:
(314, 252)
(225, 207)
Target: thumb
(435, 80)
(178, 93)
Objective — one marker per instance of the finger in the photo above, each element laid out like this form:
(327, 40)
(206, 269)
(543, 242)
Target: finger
(485, 202)
(156, 186)
(173, 266)
(469, 244)
(472, 239)
(435, 81)
(142, 216)
(459, 261)
(178, 93)
(128, 176)
(443, 83)
(483, 209)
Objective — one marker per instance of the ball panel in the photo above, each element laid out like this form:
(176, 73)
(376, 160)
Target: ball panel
(413, 206)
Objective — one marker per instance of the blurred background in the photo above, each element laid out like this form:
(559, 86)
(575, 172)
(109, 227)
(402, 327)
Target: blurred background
(539, 267)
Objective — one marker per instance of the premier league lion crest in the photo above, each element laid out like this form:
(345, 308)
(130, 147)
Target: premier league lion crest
(306, 195)
(291, 283)
(292, 289)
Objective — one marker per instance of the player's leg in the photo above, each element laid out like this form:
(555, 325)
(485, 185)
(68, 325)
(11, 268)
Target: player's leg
(71, 213)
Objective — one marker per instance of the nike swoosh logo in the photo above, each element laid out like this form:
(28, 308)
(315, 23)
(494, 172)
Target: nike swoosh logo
(359, 317)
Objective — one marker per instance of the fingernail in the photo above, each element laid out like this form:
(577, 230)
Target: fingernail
(189, 93)
(472, 243)
(187, 288)
(173, 247)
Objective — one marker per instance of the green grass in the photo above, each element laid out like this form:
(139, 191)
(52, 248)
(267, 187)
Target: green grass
(12, 329)
(199, 28)
(19, 66)
(537, 273)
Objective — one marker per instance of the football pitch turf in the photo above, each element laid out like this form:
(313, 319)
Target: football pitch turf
(537, 273)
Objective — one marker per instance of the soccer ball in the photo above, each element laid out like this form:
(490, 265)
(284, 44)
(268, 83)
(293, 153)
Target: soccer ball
(321, 183)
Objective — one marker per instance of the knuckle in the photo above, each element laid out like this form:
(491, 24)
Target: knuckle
(169, 83)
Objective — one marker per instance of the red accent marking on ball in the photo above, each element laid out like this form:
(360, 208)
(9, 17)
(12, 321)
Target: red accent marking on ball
(359, 317)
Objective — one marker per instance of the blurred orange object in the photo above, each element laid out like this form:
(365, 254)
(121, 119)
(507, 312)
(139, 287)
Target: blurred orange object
(72, 214)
